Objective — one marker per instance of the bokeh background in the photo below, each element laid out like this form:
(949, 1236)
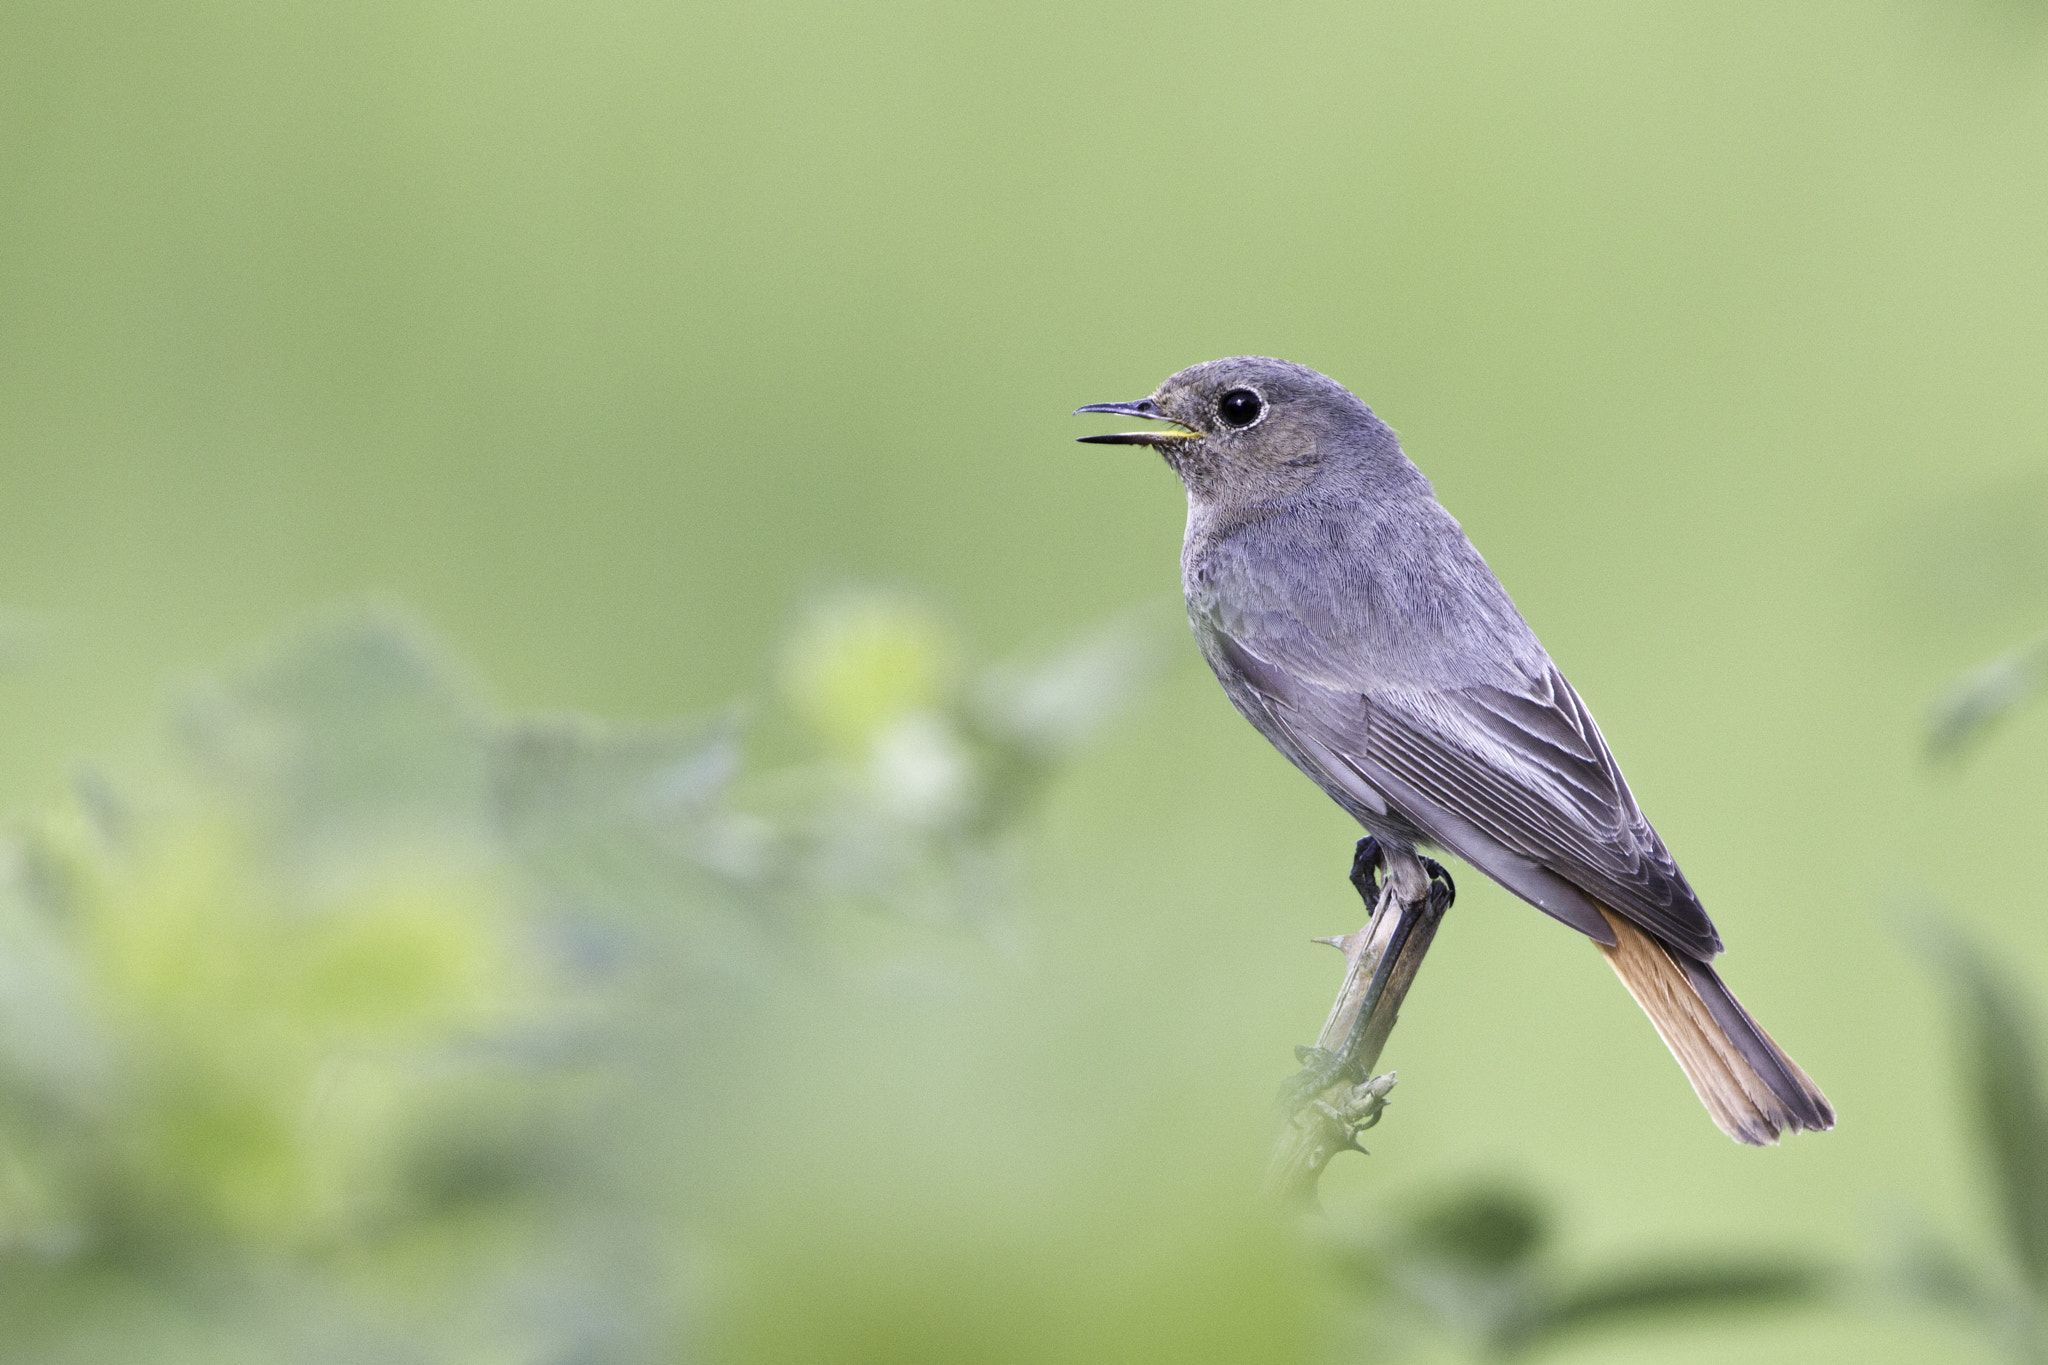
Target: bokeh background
(610, 343)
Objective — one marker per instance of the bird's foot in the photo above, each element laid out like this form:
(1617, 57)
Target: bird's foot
(1442, 890)
(1365, 876)
(1365, 871)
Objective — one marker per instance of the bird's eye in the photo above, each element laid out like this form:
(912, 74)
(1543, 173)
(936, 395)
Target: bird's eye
(1240, 408)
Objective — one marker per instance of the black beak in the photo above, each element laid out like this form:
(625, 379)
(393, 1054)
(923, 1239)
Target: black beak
(1145, 408)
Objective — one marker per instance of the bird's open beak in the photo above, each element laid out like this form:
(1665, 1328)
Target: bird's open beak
(1145, 408)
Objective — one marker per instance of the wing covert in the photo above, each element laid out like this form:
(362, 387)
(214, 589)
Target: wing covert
(1523, 766)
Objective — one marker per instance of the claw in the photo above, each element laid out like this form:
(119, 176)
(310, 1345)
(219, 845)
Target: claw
(1365, 865)
(1365, 876)
(1442, 890)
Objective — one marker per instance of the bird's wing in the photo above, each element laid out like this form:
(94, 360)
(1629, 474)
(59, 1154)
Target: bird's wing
(1511, 776)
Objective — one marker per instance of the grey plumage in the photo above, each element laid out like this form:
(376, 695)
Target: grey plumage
(1349, 619)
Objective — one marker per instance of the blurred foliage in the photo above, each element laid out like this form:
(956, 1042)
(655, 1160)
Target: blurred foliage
(364, 1022)
(1479, 1266)
(1986, 695)
(1998, 1050)
(602, 331)
(369, 1024)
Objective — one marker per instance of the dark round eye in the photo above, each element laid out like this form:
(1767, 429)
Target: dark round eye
(1240, 408)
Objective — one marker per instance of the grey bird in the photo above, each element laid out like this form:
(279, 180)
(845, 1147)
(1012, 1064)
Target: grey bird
(1351, 621)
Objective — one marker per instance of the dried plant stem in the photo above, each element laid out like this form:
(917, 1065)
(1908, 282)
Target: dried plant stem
(1328, 1117)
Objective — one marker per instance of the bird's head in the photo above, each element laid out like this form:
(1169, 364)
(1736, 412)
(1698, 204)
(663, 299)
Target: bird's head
(1250, 428)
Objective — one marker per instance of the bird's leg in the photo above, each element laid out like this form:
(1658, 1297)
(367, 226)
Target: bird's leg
(1365, 872)
(1365, 875)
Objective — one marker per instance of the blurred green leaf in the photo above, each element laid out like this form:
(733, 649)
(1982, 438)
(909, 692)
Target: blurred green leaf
(1478, 1266)
(356, 736)
(861, 661)
(1985, 696)
(1677, 1289)
(1049, 706)
(1490, 1228)
(2003, 1073)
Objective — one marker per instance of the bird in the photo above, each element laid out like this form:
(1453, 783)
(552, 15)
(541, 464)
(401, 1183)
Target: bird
(1352, 622)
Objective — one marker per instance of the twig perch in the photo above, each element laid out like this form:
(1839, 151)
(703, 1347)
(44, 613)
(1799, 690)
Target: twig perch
(1336, 1097)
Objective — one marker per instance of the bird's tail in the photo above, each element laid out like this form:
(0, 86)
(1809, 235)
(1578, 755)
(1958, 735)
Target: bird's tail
(1751, 1088)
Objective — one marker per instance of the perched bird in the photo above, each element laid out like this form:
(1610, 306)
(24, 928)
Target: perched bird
(1351, 621)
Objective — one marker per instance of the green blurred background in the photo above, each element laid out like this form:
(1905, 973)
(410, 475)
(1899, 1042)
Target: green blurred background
(605, 337)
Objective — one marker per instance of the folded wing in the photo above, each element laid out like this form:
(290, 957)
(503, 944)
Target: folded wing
(1511, 775)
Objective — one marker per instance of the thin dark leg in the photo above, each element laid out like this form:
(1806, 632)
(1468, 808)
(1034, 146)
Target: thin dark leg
(1365, 872)
(1365, 876)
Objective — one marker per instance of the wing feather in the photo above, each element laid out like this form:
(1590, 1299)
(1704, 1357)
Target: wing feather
(1524, 767)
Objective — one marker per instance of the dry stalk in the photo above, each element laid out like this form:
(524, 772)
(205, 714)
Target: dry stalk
(1337, 1097)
